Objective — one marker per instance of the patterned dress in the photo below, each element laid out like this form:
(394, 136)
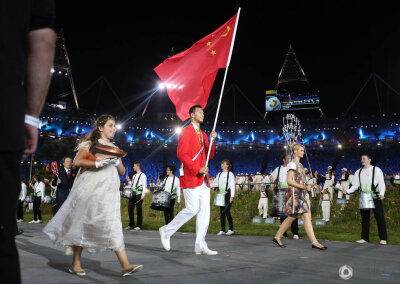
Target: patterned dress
(297, 195)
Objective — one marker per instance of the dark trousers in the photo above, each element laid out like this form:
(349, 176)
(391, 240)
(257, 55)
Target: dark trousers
(36, 208)
(54, 208)
(10, 189)
(131, 208)
(169, 213)
(20, 211)
(294, 227)
(61, 196)
(227, 213)
(380, 220)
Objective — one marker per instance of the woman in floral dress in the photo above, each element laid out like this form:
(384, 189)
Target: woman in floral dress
(295, 201)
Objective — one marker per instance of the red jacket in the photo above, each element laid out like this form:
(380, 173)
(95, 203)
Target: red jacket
(188, 147)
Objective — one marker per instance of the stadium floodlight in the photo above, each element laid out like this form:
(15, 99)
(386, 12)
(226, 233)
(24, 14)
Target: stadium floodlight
(339, 146)
(178, 130)
(161, 86)
(119, 126)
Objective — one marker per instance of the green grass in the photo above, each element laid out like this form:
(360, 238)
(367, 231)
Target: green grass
(345, 225)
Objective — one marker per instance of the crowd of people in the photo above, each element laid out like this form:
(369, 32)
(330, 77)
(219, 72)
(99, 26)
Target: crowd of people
(290, 185)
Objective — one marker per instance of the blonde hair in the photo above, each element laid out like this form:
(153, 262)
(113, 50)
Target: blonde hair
(296, 146)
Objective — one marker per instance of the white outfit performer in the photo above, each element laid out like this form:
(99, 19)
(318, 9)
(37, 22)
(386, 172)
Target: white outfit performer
(38, 190)
(326, 207)
(20, 202)
(168, 187)
(351, 177)
(141, 181)
(172, 186)
(221, 181)
(22, 194)
(365, 178)
(344, 184)
(366, 181)
(139, 187)
(329, 183)
(226, 185)
(281, 184)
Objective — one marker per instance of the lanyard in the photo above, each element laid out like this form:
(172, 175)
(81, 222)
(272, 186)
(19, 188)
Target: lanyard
(227, 179)
(137, 182)
(165, 181)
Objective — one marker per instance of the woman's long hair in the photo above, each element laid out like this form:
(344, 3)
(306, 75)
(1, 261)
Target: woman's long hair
(94, 135)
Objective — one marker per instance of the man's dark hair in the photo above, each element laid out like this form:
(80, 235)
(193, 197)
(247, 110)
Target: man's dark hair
(171, 168)
(283, 155)
(367, 155)
(38, 177)
(139, 164)
(193, 108)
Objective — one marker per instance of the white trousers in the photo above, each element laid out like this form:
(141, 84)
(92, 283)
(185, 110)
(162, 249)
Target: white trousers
(197, 203)
(326, 210)
(344, 185)
(330, 188)
(263, 207)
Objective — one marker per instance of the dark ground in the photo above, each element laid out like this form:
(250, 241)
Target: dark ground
(241, 259)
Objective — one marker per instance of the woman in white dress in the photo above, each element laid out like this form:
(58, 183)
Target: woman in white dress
(90, 218)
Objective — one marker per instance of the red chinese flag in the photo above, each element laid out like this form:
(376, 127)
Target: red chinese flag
(189, 76)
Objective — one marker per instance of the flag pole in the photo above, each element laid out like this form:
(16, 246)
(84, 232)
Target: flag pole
(223, 84)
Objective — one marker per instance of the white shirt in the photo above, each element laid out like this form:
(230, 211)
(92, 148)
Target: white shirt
(39, 187)
(23, 192)
(282, 182)
(168, 186)
(366, 179)
(195, 127)
(142, 182)
(351, 177)
(221, 177)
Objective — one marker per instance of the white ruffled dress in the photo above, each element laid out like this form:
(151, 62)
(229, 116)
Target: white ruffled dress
(91, 215)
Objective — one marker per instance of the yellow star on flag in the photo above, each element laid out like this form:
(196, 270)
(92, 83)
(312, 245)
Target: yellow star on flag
(213, 52)
(209, 43)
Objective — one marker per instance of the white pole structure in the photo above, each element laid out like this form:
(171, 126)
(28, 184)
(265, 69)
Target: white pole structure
(223, 83)
(30, 169)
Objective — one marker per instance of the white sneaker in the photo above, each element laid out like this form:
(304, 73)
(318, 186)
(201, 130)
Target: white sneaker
(165, 241)
(137, 229)
(206, 252)
(68, 250)
(229, 233)
(221, 233)
(128, 228)
(39, 221)
(362, 241)
(296, 237)
(383, 242)
(32, 222)
(20, 220)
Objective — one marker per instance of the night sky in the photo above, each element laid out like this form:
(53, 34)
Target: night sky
(338, 45)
